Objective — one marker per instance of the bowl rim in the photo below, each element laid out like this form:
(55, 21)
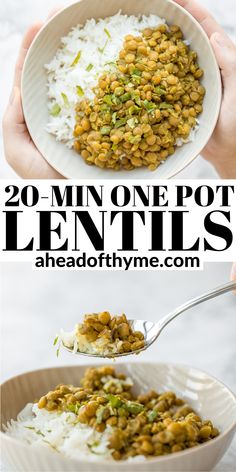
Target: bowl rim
(218, 101)
(124, 463)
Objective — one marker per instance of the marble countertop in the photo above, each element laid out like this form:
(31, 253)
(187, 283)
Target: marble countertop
(41, 303)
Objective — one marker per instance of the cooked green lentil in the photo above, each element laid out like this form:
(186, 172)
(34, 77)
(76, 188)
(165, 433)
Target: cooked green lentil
(151, 424)
(140, 110)
(115, 329)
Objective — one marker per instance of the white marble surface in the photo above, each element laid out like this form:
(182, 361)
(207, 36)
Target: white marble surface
(40, 303)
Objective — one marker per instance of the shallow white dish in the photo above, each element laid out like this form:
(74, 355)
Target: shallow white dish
(208, 396)
(34, 92)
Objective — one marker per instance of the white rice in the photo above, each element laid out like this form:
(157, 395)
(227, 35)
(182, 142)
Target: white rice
(79, 343)
(61, 433)
(63, 79)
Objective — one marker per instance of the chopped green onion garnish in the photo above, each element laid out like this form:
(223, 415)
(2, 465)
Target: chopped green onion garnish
(113, 118)
(101, 50)
(120, 122)
(133, 407)
(65, 99)
(152, 416)
(79, 90)
(137, 72)
(134, 139)
(73, 407)
(165, 105)
(160, 91)
(99, 414)
(126, 96)
(133, 109)
(55, 110)
(108, 99)
(55, 341)
(76, 60)
(116, 100)
(110, 63)
(107, 33)
(115, 401)
(40, 433)
(89, 67)
(132, 122)
(136, 79)
(150, 106)
(105, 130)
(136, 98)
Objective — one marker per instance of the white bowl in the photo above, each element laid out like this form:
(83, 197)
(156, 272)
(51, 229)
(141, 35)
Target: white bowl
(209, 397)
(34, 91)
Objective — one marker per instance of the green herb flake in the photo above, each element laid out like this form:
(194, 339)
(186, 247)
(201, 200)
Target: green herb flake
(76, 60)
(134, 139)
(105, 130)
(65, 99)
(165, 106)
(79, 91)
(58, 351)
(30, 427)
(73, 407)
(99, 414)
(120, 122)
(111, 63)
(93, 447)
(89, 67)
(137, 72)
(133, 109)
(113, 118)
(160, 91)
(101, 50)
(125, 97)
(55, 110)
(115, 100)
(136, 79)
(136, 76)
(55, 340)
(108, 99)
(136, 98)
(107, 33)
(134, 407)
(70, 407)
(115, 401)
(40, 433)
(132, 122)
(152, 416)
(150, 106)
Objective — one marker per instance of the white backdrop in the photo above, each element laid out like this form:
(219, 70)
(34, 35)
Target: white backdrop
(36, 305)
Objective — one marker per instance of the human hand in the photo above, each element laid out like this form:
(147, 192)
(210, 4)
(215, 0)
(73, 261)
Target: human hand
(20, 151)
(220, 151)
(233, 271)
